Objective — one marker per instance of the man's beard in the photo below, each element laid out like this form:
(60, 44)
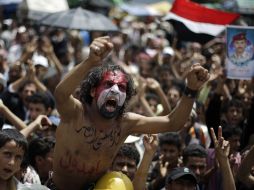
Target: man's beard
(109, 114)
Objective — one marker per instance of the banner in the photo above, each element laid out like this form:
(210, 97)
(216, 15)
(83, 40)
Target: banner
(240, 52)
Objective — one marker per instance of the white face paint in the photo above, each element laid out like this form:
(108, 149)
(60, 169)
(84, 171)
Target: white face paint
(112, 93)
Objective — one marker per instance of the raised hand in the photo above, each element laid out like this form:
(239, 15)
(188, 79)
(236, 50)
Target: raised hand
(100, 48)
(150, 143)
(163, 167)
(31, 73)
(197, 76)
(221, 146)
(42, 122)
(152, 83)
(30, 47)
(141, 86)
(47, 48)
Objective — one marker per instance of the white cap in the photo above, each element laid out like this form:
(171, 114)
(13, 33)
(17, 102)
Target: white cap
(168, 51)
(40, 60)
(132, 139)
(21, 29)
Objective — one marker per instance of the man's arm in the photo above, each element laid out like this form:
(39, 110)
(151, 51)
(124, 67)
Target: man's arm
(16, 121)
(42, 122)
(244, 172)
(31, 75)
(139, 181)
(155, 85)
(65, 102)
(47, 48)
(141, 94)
(174, 121)
(222, 151)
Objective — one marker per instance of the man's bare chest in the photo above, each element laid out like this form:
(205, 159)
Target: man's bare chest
(90, 153)
(97, 139)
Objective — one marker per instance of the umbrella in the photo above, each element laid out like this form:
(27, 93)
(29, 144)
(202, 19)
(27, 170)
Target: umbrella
(99, 3)
(7, 2)
(138, 9)
(80, 19)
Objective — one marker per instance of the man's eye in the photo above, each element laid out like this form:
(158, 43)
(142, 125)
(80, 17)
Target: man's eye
(7, 154)
(109, 84)
(122, 87)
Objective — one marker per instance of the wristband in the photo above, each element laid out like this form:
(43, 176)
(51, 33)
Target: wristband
(190, 93)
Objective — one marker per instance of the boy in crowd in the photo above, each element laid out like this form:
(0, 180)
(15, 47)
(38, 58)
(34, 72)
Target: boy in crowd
(170, 146)
(13, 147)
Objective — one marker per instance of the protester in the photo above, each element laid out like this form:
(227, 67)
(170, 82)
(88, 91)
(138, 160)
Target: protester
(181, 178)
(103, 98)
(91, 127)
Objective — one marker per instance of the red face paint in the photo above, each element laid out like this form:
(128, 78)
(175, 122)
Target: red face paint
(109, 79)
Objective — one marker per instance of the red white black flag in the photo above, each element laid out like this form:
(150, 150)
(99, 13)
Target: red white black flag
(200, 19)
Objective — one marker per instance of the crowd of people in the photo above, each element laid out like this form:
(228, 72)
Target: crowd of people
(77, 108)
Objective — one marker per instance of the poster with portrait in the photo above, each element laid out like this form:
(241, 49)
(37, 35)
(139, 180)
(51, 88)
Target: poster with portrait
(240, 52)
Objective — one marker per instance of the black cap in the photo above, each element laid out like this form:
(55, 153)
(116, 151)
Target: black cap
(180, 172)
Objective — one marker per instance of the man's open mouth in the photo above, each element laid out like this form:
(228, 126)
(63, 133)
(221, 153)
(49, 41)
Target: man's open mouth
(111, 105)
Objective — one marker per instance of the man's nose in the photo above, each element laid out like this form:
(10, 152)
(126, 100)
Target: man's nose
(125, 169)
(114, 88)
(11, 161)
(197, 171)
(235, 113)
(238, 143)
(167, 154)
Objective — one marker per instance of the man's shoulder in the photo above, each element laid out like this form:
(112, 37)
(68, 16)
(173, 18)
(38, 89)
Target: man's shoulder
(74, 114)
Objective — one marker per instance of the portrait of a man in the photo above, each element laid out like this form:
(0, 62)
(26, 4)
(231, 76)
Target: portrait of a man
(240, 54)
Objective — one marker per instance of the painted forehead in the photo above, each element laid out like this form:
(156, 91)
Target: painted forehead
(114, 76)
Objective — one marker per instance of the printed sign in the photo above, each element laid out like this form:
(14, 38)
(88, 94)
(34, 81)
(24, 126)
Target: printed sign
(240, 52)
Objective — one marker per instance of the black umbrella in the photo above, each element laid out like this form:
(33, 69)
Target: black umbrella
(98, 3)
(80, 19)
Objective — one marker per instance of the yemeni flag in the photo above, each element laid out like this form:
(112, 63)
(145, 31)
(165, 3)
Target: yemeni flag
(194, 22)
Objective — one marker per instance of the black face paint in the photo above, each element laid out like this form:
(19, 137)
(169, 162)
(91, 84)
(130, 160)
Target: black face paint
(109, 115)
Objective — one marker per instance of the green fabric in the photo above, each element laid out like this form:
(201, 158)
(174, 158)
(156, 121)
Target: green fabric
(203, 94)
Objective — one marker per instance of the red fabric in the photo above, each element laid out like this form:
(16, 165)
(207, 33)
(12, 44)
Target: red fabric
(196, 12)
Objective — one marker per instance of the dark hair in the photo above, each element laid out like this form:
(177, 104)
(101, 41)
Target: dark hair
(230, 131)
(193, 150)
(28, 82)
(164, 68)
(232, 103)
(171, 138)
(40, 147)
(93, 80)
(152, 96)
(8, 135)
(40, 98)
(177, 88)
(129, 151)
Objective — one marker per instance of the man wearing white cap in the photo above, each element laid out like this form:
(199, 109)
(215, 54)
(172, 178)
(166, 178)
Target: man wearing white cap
(41, 65)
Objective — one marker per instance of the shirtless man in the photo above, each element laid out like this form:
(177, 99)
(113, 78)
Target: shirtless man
(93, 128)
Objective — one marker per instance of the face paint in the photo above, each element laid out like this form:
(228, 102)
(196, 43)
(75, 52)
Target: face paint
(111, 93)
